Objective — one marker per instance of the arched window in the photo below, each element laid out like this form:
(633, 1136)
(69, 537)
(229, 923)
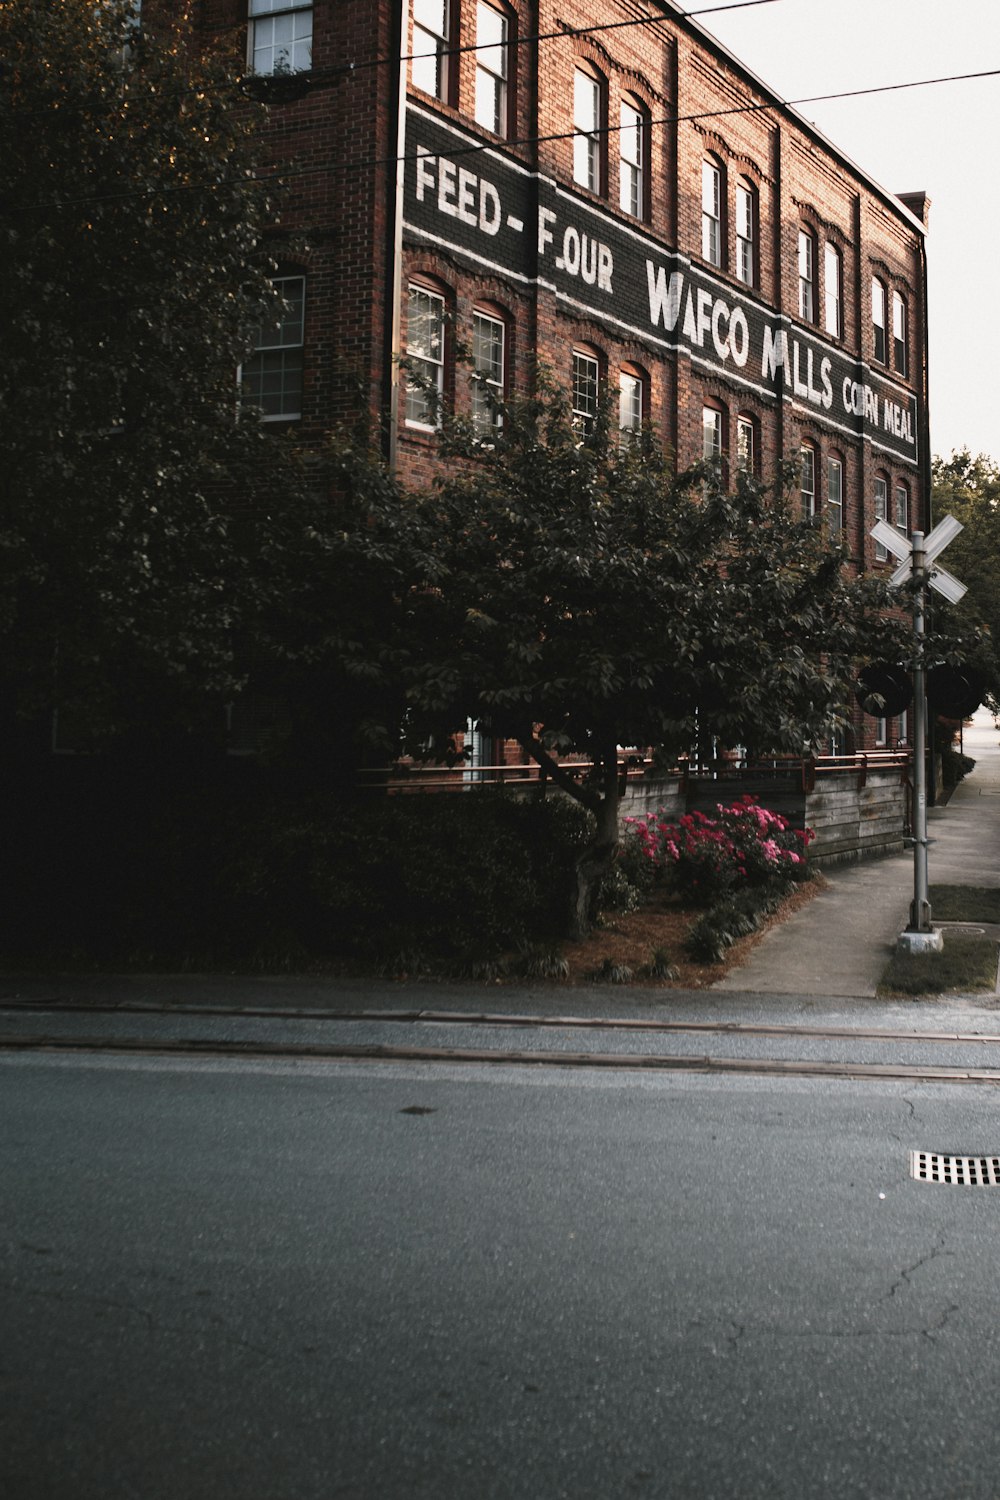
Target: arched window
(712, 201)
(807, 479)
(901, 508)
(807, 275)
(493, 55)
(879, 341)
(747, 229)
(833, 320)
(900, 339)
(633, 403)
(590, 127)
(713, 433)
(881, 512)
(835, 494)
(586, 387)
(425, 357)
(633, 151)
(747, 444)
(489, 362)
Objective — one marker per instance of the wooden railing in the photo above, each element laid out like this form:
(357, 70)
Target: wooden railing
(407, 777)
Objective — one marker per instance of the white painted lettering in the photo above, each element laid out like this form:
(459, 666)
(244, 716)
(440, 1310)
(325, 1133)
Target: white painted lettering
(605, 268)
(775, 352)
(704, 315)
(824, 375)
(739, 336)
(798, 384)
(447, 172)
(664, 297)
(571, 251)
(425, 172)
(588, 259)
(720, 311)
(467, 196)
(489, 207)
(546, 216)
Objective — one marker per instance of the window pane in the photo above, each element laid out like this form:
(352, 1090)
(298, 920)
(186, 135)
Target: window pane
(282, 44)
(429, 66)
(711, 212)
(586, 120)
(488, 362)
(807, 276)
(425, 356)
(491, 69)
(878, 321)
(585, 390)
(629, 407)
(711, 422)
(746, 235)
(630, 149)
(807, 466)
(745, 445)
(899, 341)
(832, 321)
(902, 517)
(881, 514)
(835, 494)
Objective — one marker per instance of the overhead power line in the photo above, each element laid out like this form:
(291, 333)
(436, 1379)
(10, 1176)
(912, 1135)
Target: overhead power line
(276, 178)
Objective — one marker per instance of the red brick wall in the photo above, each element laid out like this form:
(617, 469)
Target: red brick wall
(337, 215)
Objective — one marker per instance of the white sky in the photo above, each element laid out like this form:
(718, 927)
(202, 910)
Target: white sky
(939, 139)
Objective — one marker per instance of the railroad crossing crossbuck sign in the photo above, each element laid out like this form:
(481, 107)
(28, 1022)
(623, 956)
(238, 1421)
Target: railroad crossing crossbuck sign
(918, 561)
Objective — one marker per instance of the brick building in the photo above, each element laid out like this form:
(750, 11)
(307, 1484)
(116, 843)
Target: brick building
(600, 184)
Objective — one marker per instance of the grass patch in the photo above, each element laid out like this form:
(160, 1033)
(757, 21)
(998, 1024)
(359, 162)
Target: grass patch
(966, 966)
(965, 903)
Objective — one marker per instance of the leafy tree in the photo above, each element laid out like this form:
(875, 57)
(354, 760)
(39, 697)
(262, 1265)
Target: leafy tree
(579, 597)
(138, 519)
(969, 489)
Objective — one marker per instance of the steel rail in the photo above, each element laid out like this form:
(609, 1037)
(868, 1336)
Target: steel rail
(488, 1018)
(622, 1062)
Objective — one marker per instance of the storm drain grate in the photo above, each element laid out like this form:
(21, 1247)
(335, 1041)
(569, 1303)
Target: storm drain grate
(958, 1171)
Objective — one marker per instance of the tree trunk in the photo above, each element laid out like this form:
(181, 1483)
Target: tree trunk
(598, 857)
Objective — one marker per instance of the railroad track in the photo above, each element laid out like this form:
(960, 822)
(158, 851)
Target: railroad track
(418, 1051)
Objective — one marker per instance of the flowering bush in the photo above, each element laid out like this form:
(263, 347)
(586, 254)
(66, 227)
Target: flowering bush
(703, 857)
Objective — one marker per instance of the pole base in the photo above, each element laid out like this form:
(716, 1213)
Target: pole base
(931, 941)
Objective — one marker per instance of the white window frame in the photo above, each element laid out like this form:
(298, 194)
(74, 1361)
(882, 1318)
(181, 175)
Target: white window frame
(489, 338)
(268, 53)
(807, 275)
(712, 435)
(880, 342)
(631, 401)
(900, 341)
(901, 508)
(711, 211)
(807, 480)
(278, 357)
(492, 68)
(746, 445)
(588, 108)
(586, 389)
(746, 233)
(832, 295)
(632, 160)
(424, 399)
(835, 494)
(430, 64)
(881, 513)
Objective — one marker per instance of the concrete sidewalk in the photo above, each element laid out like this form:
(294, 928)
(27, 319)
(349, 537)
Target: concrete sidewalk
(839, 944)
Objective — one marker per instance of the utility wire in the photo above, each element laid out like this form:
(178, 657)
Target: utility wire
(288, 175)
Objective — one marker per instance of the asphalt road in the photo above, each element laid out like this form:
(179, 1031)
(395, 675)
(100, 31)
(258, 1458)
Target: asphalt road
(279, 1280)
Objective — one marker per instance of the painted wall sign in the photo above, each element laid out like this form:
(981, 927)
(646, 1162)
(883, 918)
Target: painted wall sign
(498, 217)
